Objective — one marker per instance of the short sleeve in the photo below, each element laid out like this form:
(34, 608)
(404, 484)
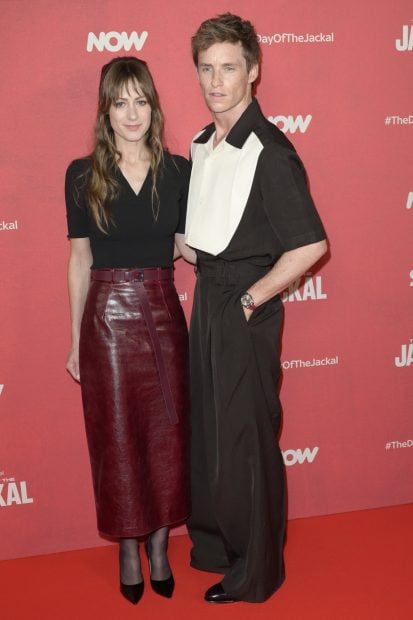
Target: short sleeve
(76, 213)
(287, 200)
(185, 171)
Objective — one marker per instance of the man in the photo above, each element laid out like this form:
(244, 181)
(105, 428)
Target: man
(255, 229)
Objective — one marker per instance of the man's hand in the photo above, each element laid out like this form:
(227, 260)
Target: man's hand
(247, 313)
(290, 266)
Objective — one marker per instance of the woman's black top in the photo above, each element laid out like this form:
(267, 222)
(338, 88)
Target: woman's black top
(135, 238)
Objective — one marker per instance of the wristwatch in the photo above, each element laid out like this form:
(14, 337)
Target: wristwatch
(248, 302)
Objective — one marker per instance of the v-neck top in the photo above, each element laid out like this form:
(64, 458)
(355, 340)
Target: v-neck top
(134, 238)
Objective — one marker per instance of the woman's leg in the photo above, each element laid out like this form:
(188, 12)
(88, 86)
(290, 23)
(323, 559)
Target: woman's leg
(157, 546)
(129, 561)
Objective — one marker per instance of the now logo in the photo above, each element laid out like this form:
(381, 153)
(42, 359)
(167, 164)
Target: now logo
(291, 457)
(291, 123)
(115, 41)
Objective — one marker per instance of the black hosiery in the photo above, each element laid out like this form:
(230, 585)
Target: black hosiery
(129, 562)
(157, 545)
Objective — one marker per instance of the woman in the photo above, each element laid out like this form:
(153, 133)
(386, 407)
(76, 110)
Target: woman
(126, 206)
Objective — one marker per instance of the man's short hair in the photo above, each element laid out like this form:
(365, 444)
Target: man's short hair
(227, 28)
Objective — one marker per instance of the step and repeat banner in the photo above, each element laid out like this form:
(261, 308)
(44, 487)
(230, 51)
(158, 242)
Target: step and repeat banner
(337, 79)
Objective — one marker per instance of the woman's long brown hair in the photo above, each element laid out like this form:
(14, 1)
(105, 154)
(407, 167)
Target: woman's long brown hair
(102, 187)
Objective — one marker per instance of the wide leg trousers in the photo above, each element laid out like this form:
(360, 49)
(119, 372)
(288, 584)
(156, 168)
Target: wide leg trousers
(238, 481)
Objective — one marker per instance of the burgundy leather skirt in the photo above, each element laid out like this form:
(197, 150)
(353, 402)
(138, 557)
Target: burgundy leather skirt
(133, 369)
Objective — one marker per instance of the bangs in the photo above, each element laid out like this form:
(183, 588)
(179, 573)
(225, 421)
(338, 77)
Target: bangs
(130, 85)
(130, 78)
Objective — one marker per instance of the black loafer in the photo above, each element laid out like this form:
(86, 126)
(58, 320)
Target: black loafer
(217, 594)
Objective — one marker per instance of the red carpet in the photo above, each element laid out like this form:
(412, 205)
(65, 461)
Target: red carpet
(343, 567)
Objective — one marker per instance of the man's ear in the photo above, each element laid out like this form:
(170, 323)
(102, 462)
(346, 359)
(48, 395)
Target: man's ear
(253, 73)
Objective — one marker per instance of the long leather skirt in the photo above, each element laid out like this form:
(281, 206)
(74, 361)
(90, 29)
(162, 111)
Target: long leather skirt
(133, 369)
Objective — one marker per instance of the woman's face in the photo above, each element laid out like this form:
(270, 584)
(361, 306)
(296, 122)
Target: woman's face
(130, 115)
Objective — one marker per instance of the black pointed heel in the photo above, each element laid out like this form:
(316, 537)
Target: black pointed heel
(163, 587)
(132, 593)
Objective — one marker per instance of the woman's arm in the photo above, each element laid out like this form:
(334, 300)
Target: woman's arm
(181, 249)
(177, 253)
(80, 261)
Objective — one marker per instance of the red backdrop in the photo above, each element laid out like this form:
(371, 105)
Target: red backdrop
(337, 77)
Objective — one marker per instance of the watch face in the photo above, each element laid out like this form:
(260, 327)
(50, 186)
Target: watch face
(246, 300)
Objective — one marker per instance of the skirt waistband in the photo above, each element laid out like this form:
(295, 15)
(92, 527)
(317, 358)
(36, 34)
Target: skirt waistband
(135, 274)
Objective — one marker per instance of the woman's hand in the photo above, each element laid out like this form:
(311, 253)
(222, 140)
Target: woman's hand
(185, 251)
(72, 364)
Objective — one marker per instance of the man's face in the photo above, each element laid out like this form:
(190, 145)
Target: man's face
(224, 78)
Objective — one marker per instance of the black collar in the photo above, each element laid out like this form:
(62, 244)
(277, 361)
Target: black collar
(246, 123)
